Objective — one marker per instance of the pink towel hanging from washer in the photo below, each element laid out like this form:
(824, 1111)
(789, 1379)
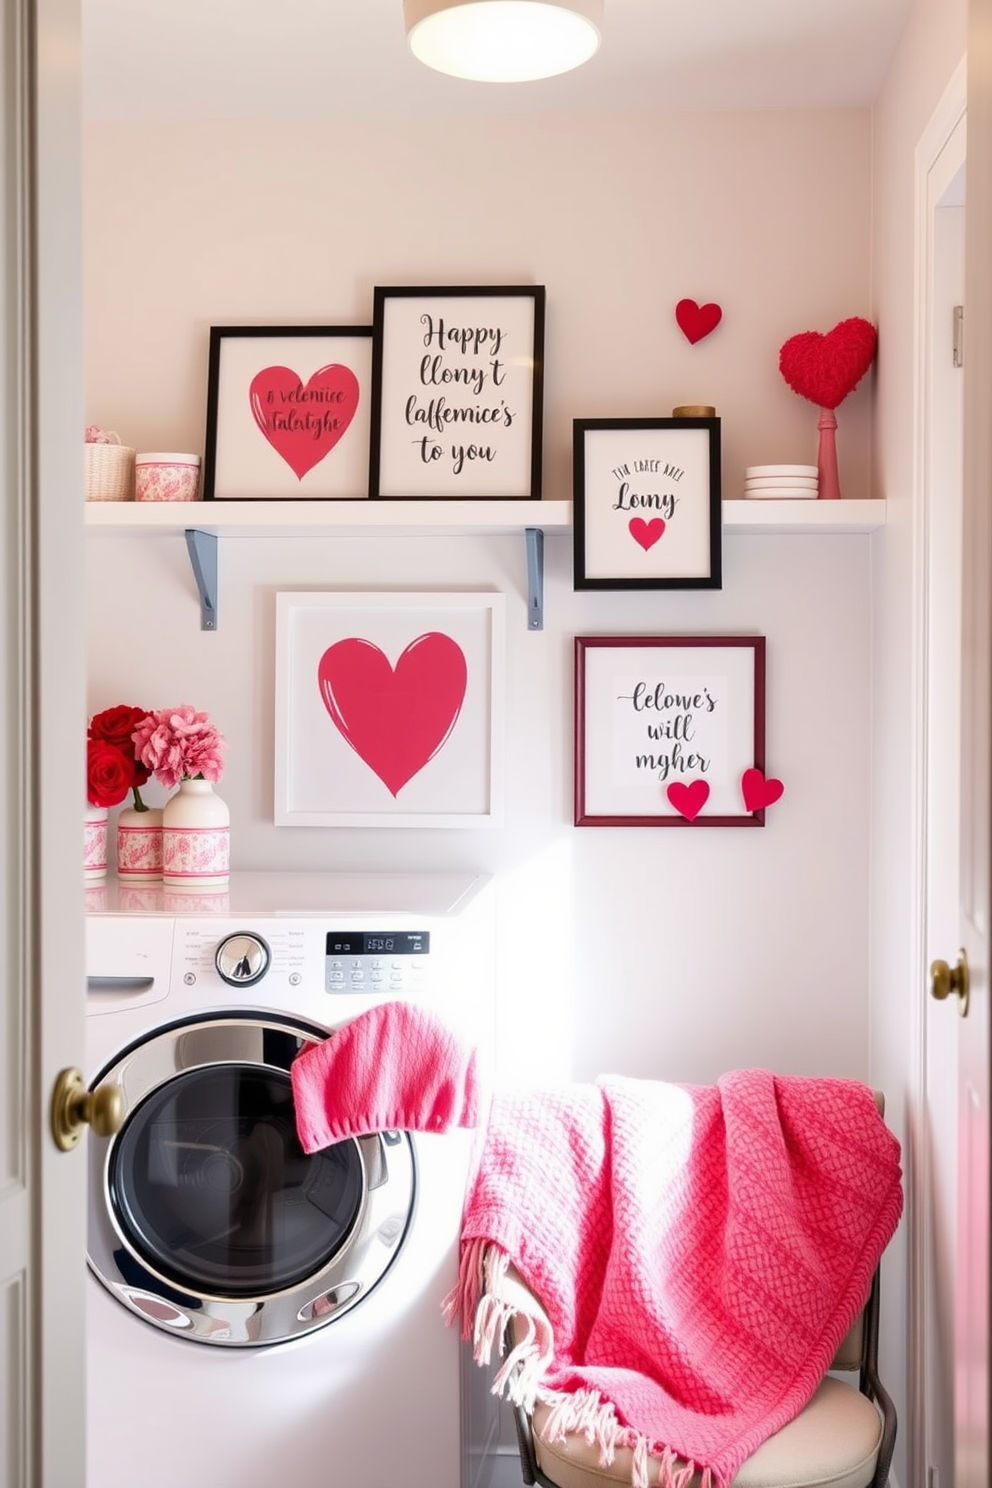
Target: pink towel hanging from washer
(393, 1068)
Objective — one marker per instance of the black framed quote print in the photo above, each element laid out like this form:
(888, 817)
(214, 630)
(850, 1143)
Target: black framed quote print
(457, 393)
(288, 413)
(647, 503)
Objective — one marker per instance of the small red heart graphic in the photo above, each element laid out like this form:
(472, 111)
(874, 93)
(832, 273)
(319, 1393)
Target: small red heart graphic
(646, 533)
(688, 800)
(395, 718)
(759, 792)
(696, 321)
(825, 369)
(303, 424)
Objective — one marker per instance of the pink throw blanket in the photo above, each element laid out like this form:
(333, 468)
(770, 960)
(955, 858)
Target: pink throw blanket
(393, 1068)
(700, 1251)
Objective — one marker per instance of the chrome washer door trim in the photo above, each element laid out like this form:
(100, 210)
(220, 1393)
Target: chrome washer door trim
(363, 1257)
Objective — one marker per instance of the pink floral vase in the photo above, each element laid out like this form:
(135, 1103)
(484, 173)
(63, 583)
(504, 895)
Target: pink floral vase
(196, 837)
(139, 845)
(95, 843)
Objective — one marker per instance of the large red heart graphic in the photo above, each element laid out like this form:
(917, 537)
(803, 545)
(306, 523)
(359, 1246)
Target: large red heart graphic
(394, 718)
(696, 321)
(688, 800)
(825, 369)
(759, 792)
(646, 533)
(303, 424)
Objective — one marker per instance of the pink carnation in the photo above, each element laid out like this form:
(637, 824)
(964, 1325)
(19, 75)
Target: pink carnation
(180, 744)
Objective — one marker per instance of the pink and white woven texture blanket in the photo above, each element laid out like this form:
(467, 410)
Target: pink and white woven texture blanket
(700, 1252)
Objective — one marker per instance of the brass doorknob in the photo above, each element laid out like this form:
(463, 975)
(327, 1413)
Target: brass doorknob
(951, 981)
(74, 1107)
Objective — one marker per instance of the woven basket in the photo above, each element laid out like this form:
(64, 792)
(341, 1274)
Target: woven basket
(109, 471)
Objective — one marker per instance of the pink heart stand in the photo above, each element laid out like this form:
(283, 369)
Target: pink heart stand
(827, 475)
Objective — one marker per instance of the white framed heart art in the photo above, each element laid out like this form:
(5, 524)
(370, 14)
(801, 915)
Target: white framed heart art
(389, 709)
(288, 413)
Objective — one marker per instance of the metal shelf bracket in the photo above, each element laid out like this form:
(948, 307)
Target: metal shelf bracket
(202, 549)
(535, 577)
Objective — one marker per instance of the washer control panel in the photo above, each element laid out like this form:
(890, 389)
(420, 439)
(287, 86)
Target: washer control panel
(381, 961)
(278, 959)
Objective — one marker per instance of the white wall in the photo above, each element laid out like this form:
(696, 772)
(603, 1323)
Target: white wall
(932, 46)
(671, 954)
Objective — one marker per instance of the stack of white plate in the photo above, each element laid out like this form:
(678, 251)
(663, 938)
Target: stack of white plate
(780, 483)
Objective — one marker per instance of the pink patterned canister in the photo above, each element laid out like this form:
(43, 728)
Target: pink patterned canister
(139, 845)
(95, 842)
(166, 477)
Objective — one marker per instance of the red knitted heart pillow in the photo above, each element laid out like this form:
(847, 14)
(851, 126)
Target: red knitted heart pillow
(825, 369)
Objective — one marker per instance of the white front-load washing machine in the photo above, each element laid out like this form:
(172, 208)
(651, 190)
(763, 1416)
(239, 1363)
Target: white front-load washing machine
(258, 1316)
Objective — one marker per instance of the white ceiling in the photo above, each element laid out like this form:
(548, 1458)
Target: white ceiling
(313, 59)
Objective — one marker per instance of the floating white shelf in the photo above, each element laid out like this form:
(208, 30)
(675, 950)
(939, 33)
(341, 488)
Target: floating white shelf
(441, 518)
(803, 516)
(329, 518)
(203, 523)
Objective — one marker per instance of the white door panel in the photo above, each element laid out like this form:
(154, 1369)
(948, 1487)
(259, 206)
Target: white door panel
(949, 1441)
(972, 1255)
(942, 492)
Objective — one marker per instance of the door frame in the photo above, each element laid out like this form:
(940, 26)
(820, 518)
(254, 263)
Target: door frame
(42, 675)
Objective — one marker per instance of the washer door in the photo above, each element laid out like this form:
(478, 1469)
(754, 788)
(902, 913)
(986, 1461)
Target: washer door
(207, 1218)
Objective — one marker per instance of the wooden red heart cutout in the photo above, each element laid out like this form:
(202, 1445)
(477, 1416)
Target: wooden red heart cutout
(825, 369)
(696, 321)
(688, 800)
(646, 533)
(395, 718)
(759, 792)
(303, 424)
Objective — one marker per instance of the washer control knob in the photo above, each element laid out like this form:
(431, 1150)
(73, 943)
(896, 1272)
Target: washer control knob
(242, 959)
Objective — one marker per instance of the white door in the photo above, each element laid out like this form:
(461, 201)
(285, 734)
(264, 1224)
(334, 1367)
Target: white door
(941, 174)
(972, 1254)
(42, 1191)
(949, 1441)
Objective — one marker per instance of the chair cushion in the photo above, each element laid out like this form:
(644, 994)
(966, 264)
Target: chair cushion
(833, 1443)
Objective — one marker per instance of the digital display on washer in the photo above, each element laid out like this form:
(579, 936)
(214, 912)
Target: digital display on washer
(378, 943)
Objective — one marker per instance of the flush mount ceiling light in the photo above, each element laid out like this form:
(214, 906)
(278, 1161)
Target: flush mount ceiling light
(503, 41)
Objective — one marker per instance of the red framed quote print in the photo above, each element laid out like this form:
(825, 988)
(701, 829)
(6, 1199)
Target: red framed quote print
(457, 393)
(670, 731)
(288, 413)
(389, 709)
(647, 503)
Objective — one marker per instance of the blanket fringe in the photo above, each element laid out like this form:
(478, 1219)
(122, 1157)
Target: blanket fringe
(486, 1314)
(463, 1299)
(587, 1413)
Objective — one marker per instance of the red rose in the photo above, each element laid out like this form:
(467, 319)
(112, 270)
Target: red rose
(109, 773)
(116, 726)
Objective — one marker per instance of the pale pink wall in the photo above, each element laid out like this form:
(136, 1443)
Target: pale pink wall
(671, 954)
(931, 48)
(619, 216)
